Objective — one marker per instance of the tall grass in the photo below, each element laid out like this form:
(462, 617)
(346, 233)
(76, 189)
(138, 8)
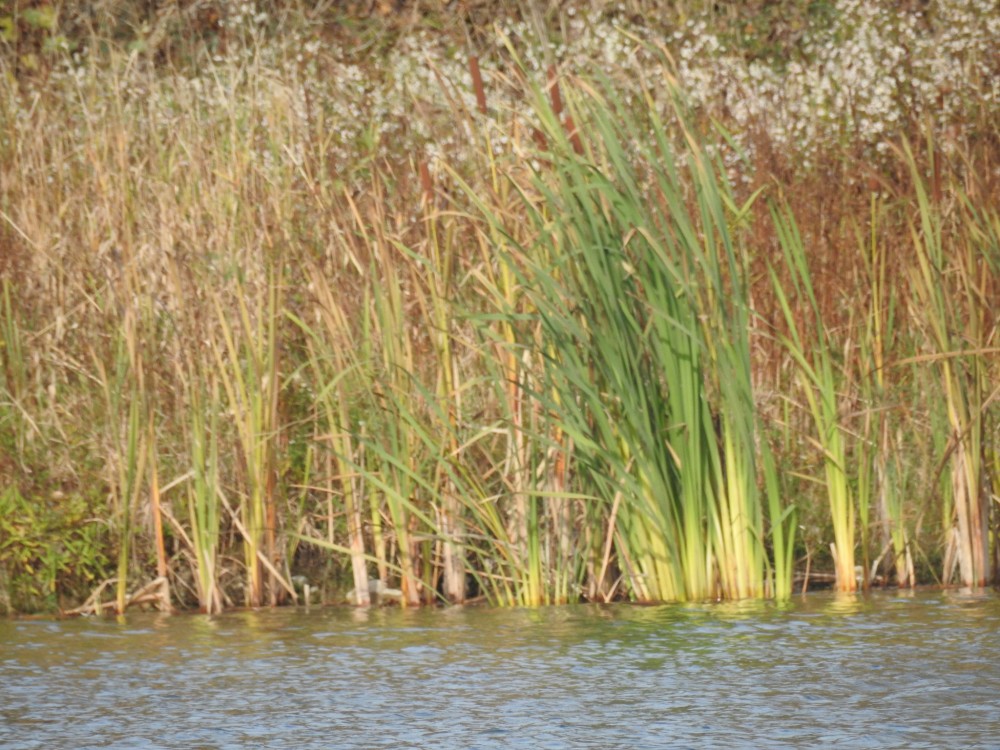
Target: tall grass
(879, 468)
(439, 260)
(952, 290)
(15, 378)
(818, 380)
(247, 360)
(629, 284)
(204, 507)
(335, 366)
(128, 445)
(481, 328)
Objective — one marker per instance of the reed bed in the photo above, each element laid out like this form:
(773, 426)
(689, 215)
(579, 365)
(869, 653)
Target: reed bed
(533, 311)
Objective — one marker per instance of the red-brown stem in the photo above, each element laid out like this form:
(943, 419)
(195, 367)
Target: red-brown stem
(477, 83)
(557, 107)
(574, 135)
(426, 182)
(554, 91)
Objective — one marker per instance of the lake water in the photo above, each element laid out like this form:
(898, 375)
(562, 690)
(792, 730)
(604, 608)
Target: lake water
(891, 670)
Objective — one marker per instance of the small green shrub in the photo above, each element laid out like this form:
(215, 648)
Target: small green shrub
(49, 549)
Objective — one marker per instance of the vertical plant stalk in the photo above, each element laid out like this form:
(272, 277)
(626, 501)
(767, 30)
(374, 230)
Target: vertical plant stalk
(814, 367)
(441, 244)
(248, 363)
(154, 502)
(784, 521)
(123, 398)
(14, 372)
(131, 470)
(477, 84)
(879, 459)
(560, 521)
(395, 451)
(530, 556)
(510, 571)
(333, 361)
(738, 531)
(949, 287)
(515, 376)
(204, 511)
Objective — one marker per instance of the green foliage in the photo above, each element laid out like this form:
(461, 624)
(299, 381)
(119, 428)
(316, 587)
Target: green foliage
(43, 17)
(642, 307)
(49, 548)
(33, 33)
(8, 31)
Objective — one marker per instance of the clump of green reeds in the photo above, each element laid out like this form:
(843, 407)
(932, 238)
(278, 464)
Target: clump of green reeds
(639, 292)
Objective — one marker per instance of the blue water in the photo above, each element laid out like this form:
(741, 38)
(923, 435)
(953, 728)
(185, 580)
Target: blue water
(893, 670)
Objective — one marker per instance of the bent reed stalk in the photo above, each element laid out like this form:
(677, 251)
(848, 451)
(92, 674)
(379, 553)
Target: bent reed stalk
(555, 331)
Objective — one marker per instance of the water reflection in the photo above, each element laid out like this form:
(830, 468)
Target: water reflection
(880, 671)
(847, 603)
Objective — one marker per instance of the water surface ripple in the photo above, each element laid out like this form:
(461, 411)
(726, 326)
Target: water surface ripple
(893, 670)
